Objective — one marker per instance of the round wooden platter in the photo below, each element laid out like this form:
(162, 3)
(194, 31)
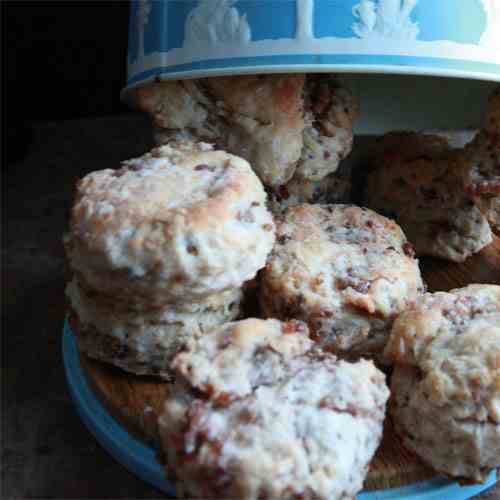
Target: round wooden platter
(133, 404)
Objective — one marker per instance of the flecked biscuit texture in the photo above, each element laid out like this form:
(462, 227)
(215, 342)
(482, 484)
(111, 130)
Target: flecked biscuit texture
(179, 223)
(143, 343)
(418, 179)
(331, 189)
(482, 176)
(329, 114)
(482, 165)
(256, 413)
(345, 270)
(492, 125)
(257, 117)
(282, 124)
(446, 384)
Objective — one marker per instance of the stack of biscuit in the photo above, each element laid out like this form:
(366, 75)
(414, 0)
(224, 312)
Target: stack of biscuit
(160, 249)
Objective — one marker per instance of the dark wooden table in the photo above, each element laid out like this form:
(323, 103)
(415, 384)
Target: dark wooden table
(46, 450)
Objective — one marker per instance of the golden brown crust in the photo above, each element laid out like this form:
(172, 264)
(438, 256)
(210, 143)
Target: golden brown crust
(182, 222)
(267, 98)
(257, 117)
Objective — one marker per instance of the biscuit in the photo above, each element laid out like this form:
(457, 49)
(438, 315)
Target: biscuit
(345, 270)
(446, 383)
(145, 343)
(418, 179)
(329, 113)
(482, 165)
(257, 413)
(331, 189)
(179, 223)
(492, 125)
(482, 176)
(259, 117)
(282, 124)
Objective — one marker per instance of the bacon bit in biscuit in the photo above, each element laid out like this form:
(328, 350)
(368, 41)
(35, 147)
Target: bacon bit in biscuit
(135, 168)
(313, 333)
(247, 216)
(408, 249)
(223, 399)
(289, 327)
(119, 173)
(283, 193)
(316, 283)
(294, 326)
(204, 166)
(247, 416)
(475, 390)
(350, 409)
(283, 238)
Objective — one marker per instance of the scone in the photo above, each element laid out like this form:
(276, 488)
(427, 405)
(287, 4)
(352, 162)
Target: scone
(331, 189)
(482, 165)
(256, 412)
(143, 343)
(282, 124)
(492, 126)
(177, 224)
(345, 270)
(418, 180)
(257, 117)
(482, 176)
(329, 114)
(446, 383)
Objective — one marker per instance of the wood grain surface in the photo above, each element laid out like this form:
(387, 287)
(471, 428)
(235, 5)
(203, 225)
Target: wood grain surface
(137, 401)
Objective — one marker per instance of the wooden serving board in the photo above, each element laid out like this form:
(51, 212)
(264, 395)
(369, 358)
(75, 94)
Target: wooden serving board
(137, 401)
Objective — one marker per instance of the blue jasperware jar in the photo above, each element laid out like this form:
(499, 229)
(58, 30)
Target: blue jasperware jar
(457, 40)
(193, 38)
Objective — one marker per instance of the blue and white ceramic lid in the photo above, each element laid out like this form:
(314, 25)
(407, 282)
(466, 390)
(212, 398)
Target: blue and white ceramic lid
(173, 39)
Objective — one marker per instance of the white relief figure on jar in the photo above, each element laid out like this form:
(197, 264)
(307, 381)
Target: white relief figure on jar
(385, 19)
(144, 9)
(214, 22)
(305, 17)
(491, 35)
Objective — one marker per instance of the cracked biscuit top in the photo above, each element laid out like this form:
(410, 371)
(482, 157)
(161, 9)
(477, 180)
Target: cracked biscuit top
(453, 338)
(258, 413)
(343, 269)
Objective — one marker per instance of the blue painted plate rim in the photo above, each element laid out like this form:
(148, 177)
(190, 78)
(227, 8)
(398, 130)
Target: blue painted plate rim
(140, 459)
